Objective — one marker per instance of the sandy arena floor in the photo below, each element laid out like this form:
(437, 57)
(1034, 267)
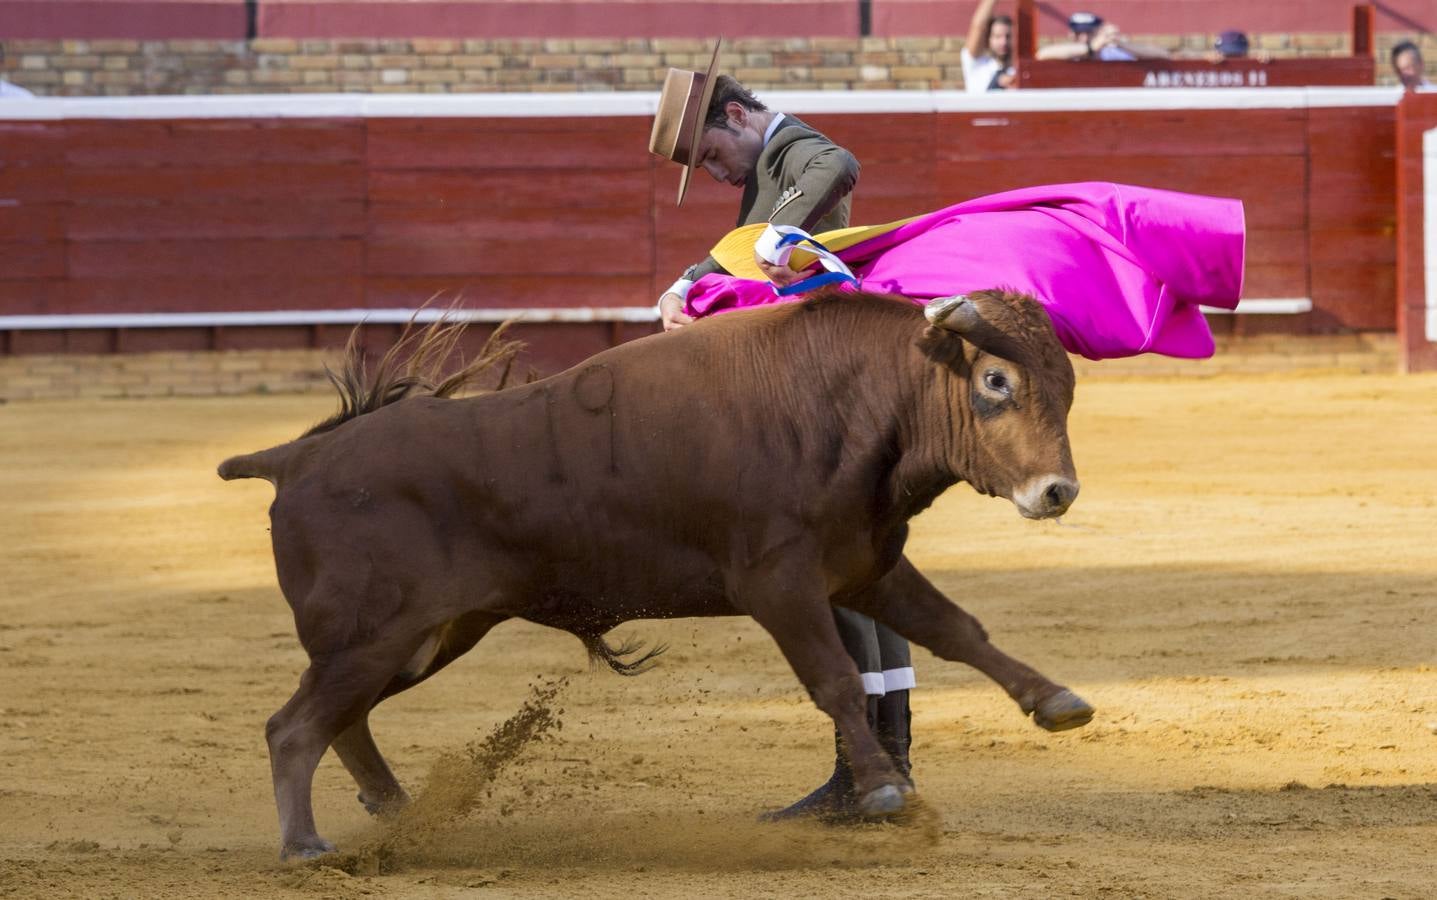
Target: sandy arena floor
(1245, 590)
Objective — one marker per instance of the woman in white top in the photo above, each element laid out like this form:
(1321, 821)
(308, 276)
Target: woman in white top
(10, 91)
(988, 54)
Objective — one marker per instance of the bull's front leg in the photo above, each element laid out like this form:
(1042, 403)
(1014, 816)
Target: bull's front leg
(789, 601)
(909, 604)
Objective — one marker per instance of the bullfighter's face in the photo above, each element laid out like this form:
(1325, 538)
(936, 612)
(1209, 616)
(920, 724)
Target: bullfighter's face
(730, 153)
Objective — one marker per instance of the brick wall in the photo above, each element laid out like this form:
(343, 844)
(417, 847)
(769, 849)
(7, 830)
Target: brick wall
(55, 377)
(87, 68)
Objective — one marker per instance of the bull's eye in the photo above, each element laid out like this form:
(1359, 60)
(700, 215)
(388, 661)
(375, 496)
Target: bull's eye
(996, 381)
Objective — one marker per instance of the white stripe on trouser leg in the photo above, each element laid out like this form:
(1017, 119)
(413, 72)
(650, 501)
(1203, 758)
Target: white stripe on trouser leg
(873, 683)
(898, 679)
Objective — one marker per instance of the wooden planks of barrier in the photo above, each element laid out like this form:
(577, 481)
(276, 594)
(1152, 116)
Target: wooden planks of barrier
(620, 19)
(151, 20)
(282, 210)
(516, 212)
(524, 19)
(1416, 243)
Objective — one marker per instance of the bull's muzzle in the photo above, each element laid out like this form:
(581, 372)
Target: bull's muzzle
(1046, 497)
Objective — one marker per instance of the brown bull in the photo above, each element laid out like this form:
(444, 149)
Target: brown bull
(763, 463)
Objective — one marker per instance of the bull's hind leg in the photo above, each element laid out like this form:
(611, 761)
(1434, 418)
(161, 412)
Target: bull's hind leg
(909, 604)
(379, 790)
(335, 692)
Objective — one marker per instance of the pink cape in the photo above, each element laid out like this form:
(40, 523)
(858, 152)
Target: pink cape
(1121, 270)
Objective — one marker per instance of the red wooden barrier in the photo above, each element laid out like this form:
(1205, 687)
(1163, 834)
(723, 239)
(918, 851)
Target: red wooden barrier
(1416, 210)
(544, 19)
(266, 213)
(155, 20)
(950, 17)
(789, 18)
(227, 19)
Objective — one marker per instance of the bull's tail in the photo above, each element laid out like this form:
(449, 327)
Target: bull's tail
(413, 366)
(266, 464)
(613, 657)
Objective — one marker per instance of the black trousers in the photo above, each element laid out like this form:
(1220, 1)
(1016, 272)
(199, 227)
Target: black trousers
(882, 656)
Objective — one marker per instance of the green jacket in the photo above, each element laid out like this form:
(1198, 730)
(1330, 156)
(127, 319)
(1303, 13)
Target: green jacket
(801, 178)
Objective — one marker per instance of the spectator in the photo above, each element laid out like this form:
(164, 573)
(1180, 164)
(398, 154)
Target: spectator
(988, 55)
(1231, 44)
(1089, 37)
(1407, 63)
(10, 91)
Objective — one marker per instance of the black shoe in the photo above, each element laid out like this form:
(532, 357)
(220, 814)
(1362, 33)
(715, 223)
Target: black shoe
(834, 802)
(894, 730)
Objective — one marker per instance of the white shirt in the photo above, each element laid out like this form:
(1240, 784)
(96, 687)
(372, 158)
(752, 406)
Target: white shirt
(1111, 53)
(10, 91)
(772, 127)
(979, 73)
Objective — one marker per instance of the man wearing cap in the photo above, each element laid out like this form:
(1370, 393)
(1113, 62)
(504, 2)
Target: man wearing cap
(1089, 37)
(790, 175)
(1234, 44)
(1407, 66)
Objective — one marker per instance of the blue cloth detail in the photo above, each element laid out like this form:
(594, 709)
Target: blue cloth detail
(814, 281)
(786, 239)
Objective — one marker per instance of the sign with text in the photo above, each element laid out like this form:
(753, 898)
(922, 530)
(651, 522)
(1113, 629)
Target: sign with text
(1197, 73)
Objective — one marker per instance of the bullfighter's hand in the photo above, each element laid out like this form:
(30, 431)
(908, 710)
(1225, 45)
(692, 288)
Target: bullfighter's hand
(671, 310)
(782, 276)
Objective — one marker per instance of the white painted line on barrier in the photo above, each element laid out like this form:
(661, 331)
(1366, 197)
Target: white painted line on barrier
(640, 314)
(1263, 306)
(1091, 99)
(644, 103)
(636, 314)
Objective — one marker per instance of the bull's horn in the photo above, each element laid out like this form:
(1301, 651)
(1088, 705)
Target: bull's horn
(956, 313)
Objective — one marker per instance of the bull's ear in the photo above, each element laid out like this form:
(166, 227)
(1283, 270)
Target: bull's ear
(957, 314)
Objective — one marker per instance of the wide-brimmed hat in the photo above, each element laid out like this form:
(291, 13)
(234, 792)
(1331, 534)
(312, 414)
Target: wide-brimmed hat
(679, 123)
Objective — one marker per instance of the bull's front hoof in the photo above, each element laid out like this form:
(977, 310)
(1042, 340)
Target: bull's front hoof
(306, 849)
(1062, 711)
(882, 802)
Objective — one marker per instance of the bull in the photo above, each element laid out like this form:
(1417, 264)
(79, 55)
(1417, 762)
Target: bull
(763, 463)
